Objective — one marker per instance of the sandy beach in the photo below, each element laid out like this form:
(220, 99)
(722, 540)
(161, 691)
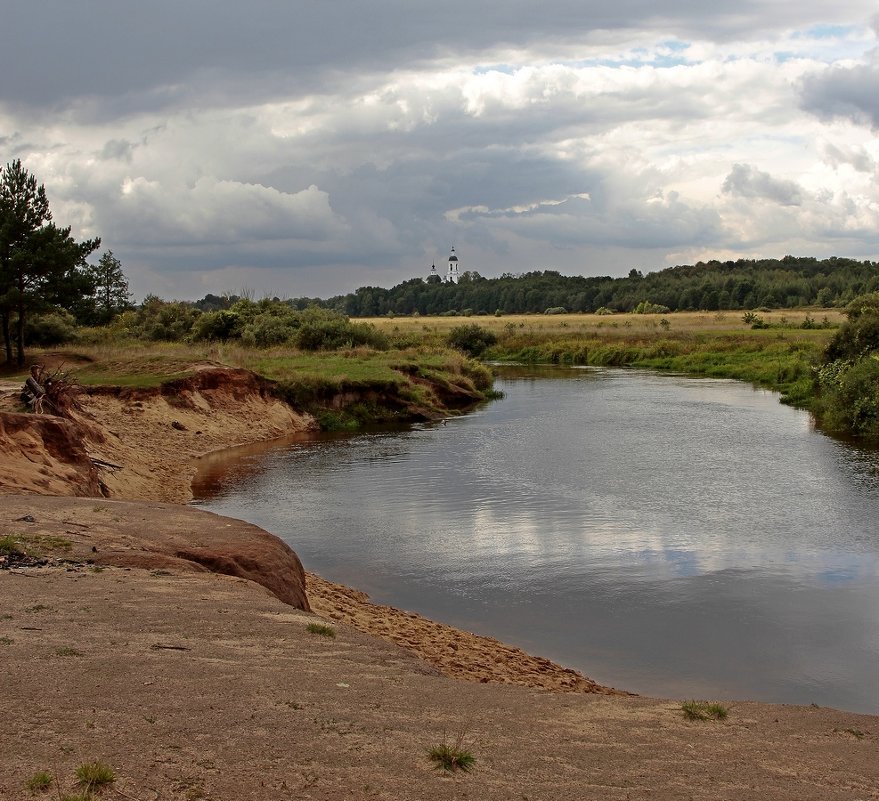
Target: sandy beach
(154, 637)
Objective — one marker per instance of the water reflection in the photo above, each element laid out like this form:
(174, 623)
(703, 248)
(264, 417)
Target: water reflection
(670, 536)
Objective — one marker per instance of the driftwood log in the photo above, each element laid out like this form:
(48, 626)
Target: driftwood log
(33, 393)
(50, 393)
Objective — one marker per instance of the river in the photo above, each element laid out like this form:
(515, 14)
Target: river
(672, 536)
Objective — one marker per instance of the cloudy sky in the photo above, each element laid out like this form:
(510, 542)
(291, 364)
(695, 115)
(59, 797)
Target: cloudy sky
(309, 147)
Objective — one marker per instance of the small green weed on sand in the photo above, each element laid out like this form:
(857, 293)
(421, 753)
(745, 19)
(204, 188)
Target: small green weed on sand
(704, 710)
(10, 545)
(92, 775)
(39, 782)
(65, 651)
(51, 542)
(320, 628)
(91, 778)
(32, 545)
(451, 756)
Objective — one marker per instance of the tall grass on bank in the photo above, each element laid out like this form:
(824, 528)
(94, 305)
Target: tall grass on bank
(419, 365)
(344, 389)
(783, 362)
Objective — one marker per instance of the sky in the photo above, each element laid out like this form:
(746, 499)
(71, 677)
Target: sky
(310, 147)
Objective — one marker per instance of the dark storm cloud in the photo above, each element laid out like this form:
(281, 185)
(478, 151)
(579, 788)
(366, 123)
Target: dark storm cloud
(213, 144)
(56, 50)
(747, 181)
(849, 92)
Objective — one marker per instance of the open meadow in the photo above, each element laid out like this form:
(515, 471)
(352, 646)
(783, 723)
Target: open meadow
(702, 323)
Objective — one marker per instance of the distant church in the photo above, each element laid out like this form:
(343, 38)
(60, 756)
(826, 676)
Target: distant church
(451, 276)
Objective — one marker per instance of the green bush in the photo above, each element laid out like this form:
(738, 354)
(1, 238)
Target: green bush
(332, 333)
(857, 337)
(863, 304)
(53, 328)
(217, 325)
(646, 307)
(266, 331)
(472, 339)
(849, 396)
(156, 319)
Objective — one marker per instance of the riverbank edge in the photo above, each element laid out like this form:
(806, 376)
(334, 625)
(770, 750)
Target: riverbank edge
(166, 431)
(784, 362)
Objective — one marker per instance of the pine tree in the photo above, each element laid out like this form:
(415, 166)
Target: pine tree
(110, 295)
(39, 262)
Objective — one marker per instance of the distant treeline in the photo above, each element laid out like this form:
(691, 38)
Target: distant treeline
(743, 284)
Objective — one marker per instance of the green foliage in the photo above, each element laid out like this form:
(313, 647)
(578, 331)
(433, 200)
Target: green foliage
(556, 310)
(53, 328)
(754, 320)
(472, 339)
(41, 265)
(848, 380)
(856, 338)
(743, 284)
(10, 545)
(268, 323)
(266, 331)
(321, 629)
(646, 307)
(32, 545)
(704, 710)
(451, 756)
(863, 305)
(849, 396)
(322, 330)
(336, 420)
(109, 293)
(94, 775)
(157, 320)
(218, 325)
(39, 782)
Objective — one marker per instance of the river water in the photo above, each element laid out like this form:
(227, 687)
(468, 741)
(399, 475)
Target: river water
(671, 536)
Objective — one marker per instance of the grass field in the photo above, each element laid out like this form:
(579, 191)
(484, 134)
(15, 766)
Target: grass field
(606, 325)
(780, 356)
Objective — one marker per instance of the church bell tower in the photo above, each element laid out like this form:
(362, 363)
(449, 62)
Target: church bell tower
(452, 275)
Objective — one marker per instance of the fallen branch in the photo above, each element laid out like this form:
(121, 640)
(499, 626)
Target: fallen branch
(102, 463)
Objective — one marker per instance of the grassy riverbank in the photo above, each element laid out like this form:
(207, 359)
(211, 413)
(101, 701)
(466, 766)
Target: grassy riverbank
(780, 356)
(421, 376)
(343, 389)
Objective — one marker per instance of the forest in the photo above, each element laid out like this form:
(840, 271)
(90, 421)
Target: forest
(789, 282)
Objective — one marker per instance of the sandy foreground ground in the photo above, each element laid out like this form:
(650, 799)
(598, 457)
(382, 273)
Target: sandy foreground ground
(204, 686)
(197, 685)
